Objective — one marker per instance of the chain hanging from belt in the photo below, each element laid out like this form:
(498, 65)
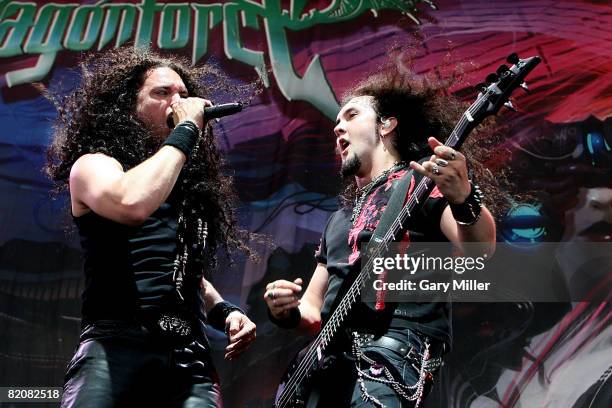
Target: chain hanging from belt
(373, 373)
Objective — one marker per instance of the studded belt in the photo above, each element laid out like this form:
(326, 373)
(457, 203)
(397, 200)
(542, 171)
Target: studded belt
(404, 349)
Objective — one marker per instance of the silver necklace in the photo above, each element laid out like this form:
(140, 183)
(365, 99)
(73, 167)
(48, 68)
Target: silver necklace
(367, 189)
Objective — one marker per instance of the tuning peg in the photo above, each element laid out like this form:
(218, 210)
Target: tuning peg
(502, 68)
(431, 4)
(481, 87)
(513, 58)
(524, 87)
(491, 78)
(412, 17)
(510, 106)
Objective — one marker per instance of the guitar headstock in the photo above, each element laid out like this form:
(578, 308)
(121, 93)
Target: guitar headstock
(500, 85)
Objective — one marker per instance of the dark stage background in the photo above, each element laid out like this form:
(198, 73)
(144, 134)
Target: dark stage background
(281, 150)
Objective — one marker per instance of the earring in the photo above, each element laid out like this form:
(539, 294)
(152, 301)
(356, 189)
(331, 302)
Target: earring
(386, 123)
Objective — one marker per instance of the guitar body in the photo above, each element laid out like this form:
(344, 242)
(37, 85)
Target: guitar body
(305, 394)
(301, 397)
(321, 370)
(323, 380)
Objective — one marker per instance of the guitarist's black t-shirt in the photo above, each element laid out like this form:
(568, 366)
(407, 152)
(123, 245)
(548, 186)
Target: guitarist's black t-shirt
(339, 250)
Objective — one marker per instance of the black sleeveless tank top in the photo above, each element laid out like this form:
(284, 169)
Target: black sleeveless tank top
(128, 270)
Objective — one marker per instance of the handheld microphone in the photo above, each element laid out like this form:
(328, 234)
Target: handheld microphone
(213, 112)
(225, 109)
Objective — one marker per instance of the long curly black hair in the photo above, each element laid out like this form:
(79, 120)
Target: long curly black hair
(100, 117)
(424, 108)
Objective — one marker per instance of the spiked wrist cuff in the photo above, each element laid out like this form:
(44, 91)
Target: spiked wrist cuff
(468, 212)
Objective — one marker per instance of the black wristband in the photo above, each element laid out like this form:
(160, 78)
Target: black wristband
(468, 212)
(291, 322)
(184, 137)
(218, 314)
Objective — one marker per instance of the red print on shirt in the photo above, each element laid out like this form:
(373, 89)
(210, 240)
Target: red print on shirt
(372, 210)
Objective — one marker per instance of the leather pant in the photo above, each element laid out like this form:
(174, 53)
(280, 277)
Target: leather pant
(121, 364)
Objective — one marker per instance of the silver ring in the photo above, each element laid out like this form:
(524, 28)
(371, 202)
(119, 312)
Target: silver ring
(452, 155)
(441, 162)
(271, 294)
(435, 170)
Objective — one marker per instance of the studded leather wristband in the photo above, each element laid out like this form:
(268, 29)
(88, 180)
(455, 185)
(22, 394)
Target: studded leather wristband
(468, 212)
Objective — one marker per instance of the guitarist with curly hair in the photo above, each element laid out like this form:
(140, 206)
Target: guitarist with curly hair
(381, 134)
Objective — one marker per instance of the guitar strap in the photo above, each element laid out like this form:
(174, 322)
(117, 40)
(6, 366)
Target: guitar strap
(394, 206)
(396, 202)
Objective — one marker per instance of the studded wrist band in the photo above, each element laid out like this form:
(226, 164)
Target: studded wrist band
(468, 212)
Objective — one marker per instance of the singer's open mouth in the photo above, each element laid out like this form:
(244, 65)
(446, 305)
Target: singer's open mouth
(170, 121)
